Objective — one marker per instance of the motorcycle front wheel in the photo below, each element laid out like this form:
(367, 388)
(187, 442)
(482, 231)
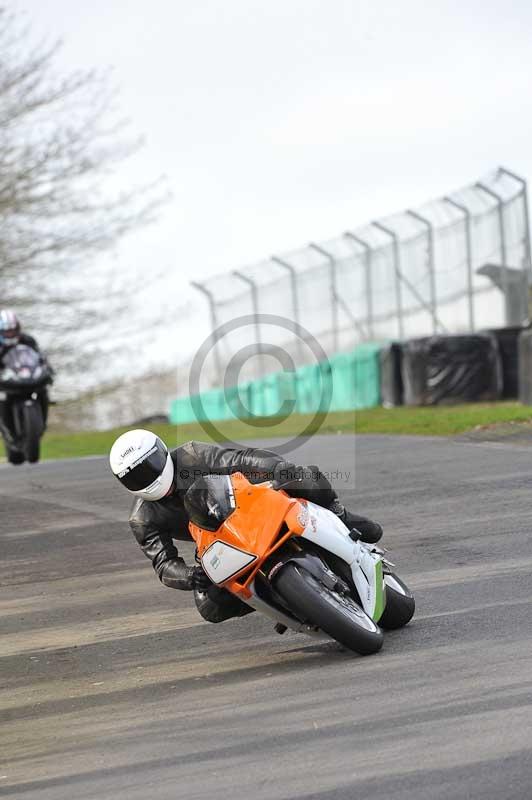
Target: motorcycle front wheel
(33, 428)
(400, 603)
(335, 614)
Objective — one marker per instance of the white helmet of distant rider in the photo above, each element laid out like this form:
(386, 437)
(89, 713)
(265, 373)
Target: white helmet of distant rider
(9, 328)
(141, 462)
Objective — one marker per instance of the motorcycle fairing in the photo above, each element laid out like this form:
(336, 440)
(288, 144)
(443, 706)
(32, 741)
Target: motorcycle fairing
(221, 561)
(324, 528)
(261, 522)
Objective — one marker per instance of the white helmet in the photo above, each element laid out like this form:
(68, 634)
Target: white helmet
(142, 463)
(9, 327)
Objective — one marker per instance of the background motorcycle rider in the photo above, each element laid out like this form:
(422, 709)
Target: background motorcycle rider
(160, 479)
(11, 334)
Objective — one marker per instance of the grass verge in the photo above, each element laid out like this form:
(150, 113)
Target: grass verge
(437, 421)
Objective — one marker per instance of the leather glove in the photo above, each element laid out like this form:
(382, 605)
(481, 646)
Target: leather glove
(199, 579)
(178, 575)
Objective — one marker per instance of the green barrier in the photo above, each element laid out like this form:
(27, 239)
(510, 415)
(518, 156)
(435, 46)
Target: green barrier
(308, 389)
(268, 395)
(356, 378)
(238, 400)
(208, 405)
(257, 401)
(181, 411)
(287, 383)
(344, 382)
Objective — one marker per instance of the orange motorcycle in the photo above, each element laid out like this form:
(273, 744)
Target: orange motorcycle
(296, 562)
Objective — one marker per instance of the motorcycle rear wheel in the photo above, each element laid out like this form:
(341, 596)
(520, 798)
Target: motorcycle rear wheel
(335, 614)
(33, 428)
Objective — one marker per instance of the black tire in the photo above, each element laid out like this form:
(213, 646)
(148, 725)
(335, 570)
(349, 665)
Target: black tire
(400, 603)
(33, 428)
(339, 617)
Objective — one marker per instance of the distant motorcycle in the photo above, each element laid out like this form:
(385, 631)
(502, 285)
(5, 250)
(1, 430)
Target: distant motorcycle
(295, 562)
(24, 377)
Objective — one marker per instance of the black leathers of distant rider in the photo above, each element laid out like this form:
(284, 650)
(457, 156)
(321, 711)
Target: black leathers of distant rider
(156, 524)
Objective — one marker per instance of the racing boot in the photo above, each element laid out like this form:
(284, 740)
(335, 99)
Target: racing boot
(359, 527)
(217, 605)
(14, 455)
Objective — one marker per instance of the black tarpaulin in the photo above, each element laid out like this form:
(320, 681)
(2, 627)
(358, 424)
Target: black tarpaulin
(451, 369)
(525, 367)
(508, 343)
(390, 378)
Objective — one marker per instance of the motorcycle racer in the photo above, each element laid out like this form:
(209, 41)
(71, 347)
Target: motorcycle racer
(11, 334)
(160, 478)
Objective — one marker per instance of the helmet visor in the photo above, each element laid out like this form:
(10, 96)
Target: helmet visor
(143, 472)
(9, 336)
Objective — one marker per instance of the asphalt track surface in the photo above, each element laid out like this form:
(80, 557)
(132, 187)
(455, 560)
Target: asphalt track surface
(113, 687)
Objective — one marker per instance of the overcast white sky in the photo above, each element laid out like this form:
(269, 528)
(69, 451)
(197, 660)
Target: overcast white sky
(288, 120)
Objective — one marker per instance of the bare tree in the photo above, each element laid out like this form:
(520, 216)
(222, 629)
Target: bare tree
(60, 145)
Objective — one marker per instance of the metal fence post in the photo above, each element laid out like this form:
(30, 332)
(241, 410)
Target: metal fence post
(295, 299)
(333, 291)
(369, 288)
(502, 238)
(397, 268)
(214, 328)
(336, 298)
(528, 250)
(255, 305)
(469, 257)
(432, 277)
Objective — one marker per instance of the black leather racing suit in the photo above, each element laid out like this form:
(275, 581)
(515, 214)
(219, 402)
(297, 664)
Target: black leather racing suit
(156, 524)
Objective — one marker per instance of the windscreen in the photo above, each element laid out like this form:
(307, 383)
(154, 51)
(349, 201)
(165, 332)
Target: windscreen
(210, 501)
(21, 356)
